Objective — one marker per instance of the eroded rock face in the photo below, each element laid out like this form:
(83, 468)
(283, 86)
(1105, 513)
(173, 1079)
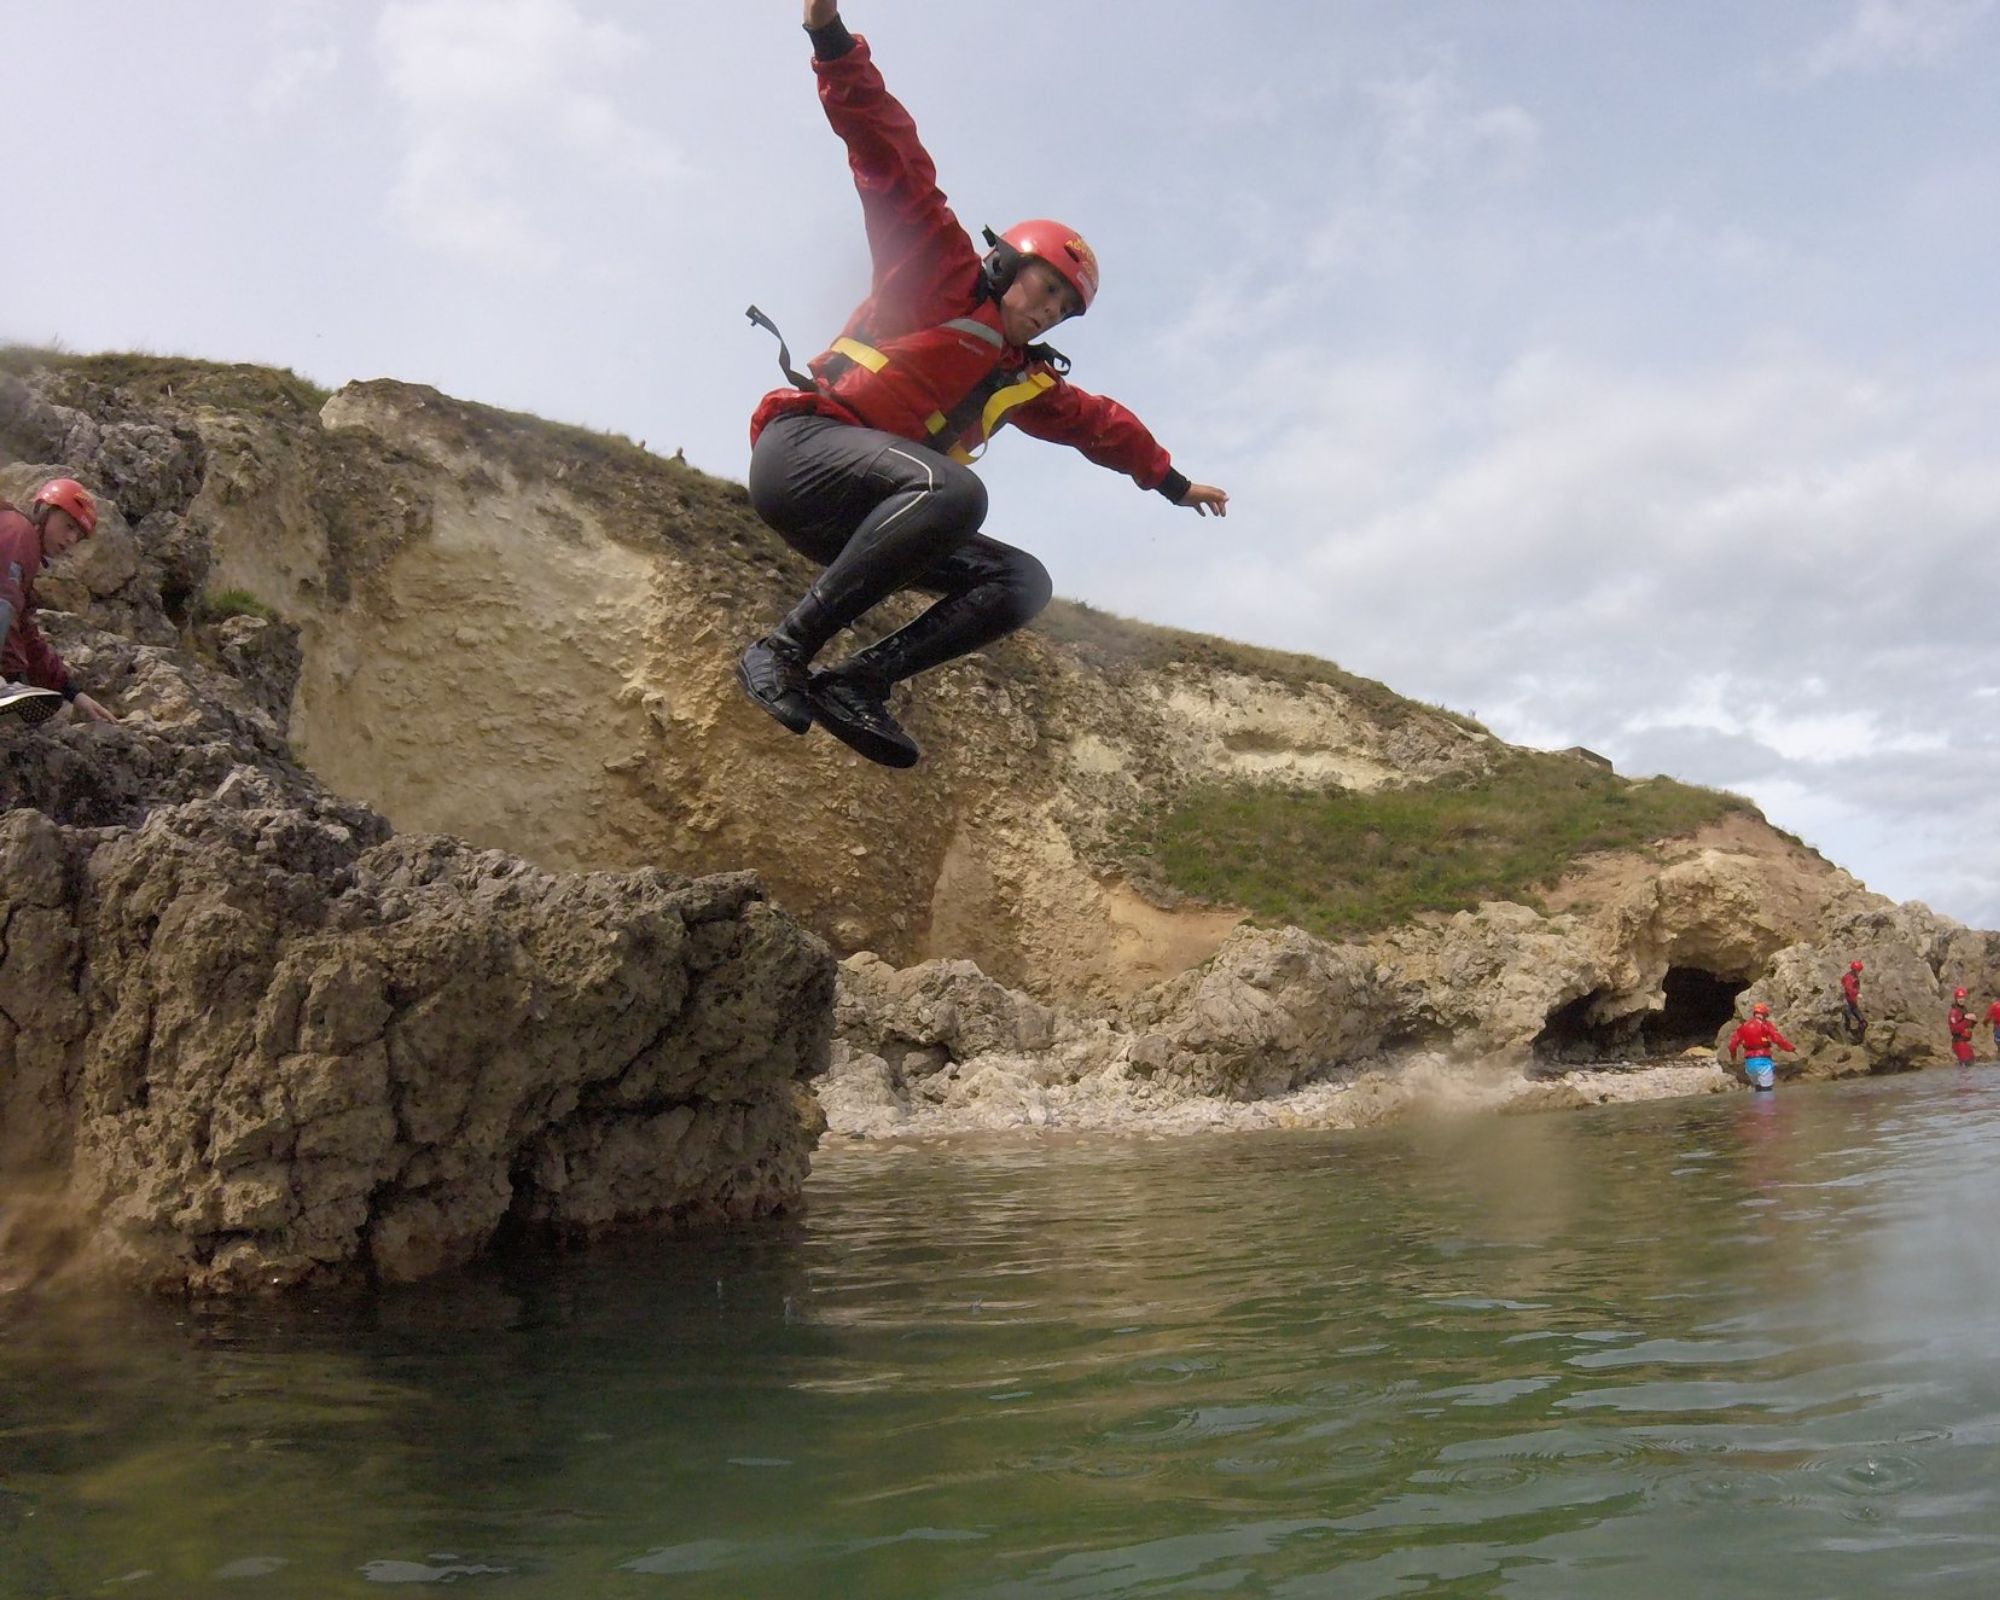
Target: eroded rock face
(248, 1037)
(1272, 1010)
(1658, 963)
(266, 1041)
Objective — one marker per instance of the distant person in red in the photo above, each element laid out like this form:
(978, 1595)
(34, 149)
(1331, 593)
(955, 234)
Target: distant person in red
(1959, 1020)
(1755, 1039)
(1993, 1016)
(61, 513)
(1850, 999)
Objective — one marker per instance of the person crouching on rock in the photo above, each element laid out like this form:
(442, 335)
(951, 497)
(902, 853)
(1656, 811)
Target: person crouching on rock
(38, 682)
(1755, 1039)
(1959, 1020)
(863, 466)
(1850, 1001)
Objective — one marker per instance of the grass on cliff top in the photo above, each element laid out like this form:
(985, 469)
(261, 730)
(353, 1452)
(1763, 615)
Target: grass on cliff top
(1344, 863)
(141, 377)
(225, 603)
(1109, 641)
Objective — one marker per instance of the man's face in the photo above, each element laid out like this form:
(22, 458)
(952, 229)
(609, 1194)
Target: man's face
(1035, 302)
(59, 532)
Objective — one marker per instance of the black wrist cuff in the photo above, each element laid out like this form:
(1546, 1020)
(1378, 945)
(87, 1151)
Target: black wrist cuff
(70, 691)
(1174, 485)
(831, 42)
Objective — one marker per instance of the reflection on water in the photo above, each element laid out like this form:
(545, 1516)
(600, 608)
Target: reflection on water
(1622, 1352)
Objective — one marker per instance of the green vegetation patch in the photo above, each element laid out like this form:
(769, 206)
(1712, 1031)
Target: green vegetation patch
(232, 603)
(1337, 863)
(145, 379)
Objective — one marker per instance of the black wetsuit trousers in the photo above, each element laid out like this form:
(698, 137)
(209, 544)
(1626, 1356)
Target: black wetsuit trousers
(885, 514)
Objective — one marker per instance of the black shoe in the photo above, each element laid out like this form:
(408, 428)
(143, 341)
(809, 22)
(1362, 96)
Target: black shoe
(858, 716)
(776, 680)
(25, 701)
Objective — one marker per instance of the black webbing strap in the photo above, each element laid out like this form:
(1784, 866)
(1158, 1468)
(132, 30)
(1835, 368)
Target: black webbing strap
(797, 379)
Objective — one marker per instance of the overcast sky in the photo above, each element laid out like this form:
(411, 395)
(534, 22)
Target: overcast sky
(1623, 373)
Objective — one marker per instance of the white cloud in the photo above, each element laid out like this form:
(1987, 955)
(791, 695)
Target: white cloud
(1759, 572)
(508, 116)
(1881, 34)
(304, 50)
(1428, 133)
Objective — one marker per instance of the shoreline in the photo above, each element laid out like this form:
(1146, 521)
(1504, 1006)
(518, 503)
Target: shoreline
(1006, 1098)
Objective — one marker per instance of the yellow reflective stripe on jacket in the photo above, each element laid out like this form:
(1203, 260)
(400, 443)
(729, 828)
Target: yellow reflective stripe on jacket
(862, 355)
(1002, 402)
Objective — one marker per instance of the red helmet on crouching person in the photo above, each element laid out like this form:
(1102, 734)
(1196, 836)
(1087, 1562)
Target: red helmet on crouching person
(1042, 239)
(66, 494)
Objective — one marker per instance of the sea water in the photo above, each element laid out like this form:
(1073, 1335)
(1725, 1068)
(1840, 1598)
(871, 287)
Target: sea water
(1743, 1345)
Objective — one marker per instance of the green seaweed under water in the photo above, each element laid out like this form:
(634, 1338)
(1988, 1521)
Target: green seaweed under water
(1735, 1342)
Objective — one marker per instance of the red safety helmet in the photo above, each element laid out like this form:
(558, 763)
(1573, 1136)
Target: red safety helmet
(1958, 994)
(1761, 1009)
(1043, 239)
(66, 494)
(1854, 966)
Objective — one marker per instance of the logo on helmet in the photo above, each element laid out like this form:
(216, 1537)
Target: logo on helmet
(1085, 258)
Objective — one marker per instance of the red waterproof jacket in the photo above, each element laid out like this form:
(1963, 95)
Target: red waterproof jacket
(945, 359)
(1993, 1013)
(1756, 1038)
(1850, 986)
(1959, 1020)
(25, 653)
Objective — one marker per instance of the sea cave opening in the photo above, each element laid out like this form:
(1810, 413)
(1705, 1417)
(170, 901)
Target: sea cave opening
(1695, 1005)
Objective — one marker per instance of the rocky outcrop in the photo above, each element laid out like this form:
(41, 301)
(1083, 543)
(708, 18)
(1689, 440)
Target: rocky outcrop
(1630, 991)
(249, 1036)
(265, 1048)
(1259, 1040)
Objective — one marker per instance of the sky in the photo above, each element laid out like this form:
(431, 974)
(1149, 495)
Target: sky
(1622, 374)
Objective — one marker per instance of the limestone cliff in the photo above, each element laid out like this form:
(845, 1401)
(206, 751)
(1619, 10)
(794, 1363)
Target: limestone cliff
(248, 1036)
(520, 634)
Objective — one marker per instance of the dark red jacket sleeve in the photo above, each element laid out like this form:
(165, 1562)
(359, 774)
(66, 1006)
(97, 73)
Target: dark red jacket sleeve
(1103, 430)
(24, 654)
(926, 269)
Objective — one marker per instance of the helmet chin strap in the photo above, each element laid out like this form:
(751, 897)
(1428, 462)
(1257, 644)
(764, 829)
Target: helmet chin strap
(1000, 268)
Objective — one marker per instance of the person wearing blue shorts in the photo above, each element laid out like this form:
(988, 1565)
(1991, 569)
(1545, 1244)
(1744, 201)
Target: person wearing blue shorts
(1757, 1038)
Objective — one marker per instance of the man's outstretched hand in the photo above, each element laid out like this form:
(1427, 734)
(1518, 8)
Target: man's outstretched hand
(820, 12)
(1205, 499)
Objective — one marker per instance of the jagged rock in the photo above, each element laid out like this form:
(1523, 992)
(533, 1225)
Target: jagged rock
(250, 1038)
(949, 1007)
(263, 655)
(265, 1047)
(1272, 1010)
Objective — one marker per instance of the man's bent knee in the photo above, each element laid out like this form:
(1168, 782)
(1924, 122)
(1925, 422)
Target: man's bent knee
(1029, 586)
